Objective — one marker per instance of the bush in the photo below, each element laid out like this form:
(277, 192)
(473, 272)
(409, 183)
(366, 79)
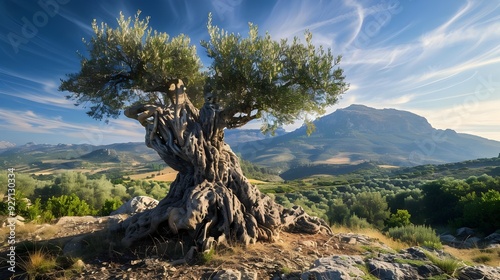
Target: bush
(400, 219)
(416, 236)
(109, 206)
(371, 206)
(354, 222)
(68, 205)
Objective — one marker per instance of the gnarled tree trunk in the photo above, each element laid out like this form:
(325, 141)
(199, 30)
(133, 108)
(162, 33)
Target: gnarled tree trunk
(210, 200)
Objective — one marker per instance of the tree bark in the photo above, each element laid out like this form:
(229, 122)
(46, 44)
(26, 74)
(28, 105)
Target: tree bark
(210, 200)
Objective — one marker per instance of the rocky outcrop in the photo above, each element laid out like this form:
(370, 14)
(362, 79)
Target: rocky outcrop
(479, 272)
(468, 238)
(136, 205)
(335, 267)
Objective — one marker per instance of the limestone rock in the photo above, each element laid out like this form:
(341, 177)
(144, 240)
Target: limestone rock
(335, 267)
(71, 221)
(396, 271)
(136, 205)
(479, 272)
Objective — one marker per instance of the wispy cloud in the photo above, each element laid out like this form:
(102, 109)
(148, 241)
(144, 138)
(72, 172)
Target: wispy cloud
(32, 88)
(34, 123)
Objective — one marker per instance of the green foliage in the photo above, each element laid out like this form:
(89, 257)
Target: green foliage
(24, 183)
(481, 211)
(416, 235)
(400, 219)
(448, 264)
(256, 172)
(68, 205)
(355, 222)
(473, 202)
(278, 82)
(371, 206)
(109, 206)
(282, 79)
(207, 256)
(338, 212)
(482, 259)
(128, 64)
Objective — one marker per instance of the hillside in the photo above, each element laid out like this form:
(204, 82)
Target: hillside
(358, 133)
(121, 158)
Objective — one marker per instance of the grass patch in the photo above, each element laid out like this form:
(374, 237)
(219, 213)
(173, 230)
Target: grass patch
(372, 233)
(482, 259)
(415, 263)
(447, 264)
(490, 256)
(416, 236)
(368, 275)
(38, 263)
(207, 256)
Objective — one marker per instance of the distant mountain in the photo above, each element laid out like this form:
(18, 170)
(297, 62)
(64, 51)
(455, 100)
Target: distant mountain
(358, 134)
(102, 155)
(31, 153)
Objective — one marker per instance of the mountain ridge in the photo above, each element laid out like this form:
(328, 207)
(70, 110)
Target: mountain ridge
(359, 133)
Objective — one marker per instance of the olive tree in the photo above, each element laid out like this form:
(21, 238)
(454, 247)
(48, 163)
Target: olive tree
(160, 82)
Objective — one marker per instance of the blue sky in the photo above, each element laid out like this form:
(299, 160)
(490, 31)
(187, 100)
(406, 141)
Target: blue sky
(438, 59)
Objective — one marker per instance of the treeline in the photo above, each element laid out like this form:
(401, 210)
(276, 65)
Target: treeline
(473, 202)
(359, 201)
(73, 193)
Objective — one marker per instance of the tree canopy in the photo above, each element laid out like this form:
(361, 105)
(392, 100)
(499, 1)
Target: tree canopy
(252, 77)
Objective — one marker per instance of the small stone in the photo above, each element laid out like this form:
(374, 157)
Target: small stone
(134, 262)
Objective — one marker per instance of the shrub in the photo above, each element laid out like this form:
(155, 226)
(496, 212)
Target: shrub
(400, 219)
(109, 206)
(68, 205)
(354, 222)
(38, 264)
(371, 206)
(416, 236)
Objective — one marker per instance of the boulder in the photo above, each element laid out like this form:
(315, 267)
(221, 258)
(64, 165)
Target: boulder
(414, 253)
(448, 239)
(387, 270)
(479, 272)
(335, 267)
(136, 205)
(465, 232)
(493, 238)
(71, 221)
(472, 242)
